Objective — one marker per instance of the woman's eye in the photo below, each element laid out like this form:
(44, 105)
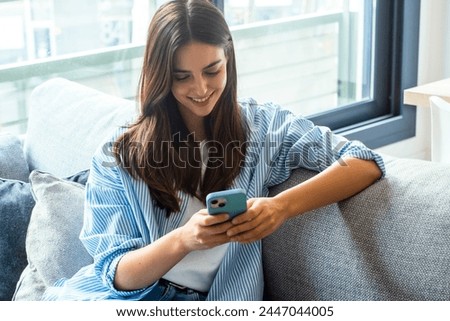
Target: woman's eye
(181, 77)
(212, 73)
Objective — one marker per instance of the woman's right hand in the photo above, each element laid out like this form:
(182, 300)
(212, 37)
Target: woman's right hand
(142, 267)
(204, 231)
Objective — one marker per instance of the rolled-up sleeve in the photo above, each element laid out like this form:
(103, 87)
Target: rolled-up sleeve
(290, 141)
(317, 147)
(109, 230)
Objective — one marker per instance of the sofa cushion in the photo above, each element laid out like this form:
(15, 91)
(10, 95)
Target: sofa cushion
(66, 123)
(52, 244)
(16, 203)
(12, 160)
(389, 242)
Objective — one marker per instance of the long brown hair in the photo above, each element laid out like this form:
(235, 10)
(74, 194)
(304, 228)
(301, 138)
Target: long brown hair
(157, 147)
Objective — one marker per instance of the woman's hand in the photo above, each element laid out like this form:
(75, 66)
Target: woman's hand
(338, 182)
(263, 216)
(204, 231)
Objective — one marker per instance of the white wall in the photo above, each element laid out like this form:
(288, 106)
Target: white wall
(434, 64)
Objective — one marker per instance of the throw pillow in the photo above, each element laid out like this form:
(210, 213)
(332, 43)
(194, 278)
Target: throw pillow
(52, 243)
(16, 203)
(12, 159)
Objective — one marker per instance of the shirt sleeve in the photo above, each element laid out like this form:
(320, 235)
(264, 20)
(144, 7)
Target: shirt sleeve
(292, 141)
(109, 229)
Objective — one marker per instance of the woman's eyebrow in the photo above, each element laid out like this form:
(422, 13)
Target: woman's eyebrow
(207, 67)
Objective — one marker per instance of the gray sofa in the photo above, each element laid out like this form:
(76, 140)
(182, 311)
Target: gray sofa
(389, 242)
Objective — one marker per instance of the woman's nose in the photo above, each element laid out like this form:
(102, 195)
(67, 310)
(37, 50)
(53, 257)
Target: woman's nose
(200, 87)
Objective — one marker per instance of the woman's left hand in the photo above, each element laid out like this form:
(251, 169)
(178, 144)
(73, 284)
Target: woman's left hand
(263, 216)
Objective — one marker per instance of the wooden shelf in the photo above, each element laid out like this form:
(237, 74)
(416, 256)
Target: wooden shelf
(419, 96)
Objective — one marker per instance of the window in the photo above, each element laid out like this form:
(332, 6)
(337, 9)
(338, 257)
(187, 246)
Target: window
(309, 56)
(99, 43)
(341, 63)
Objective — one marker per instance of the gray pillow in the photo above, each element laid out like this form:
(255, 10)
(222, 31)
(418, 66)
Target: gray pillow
(12, 159)
(16, 203)
(53, 247)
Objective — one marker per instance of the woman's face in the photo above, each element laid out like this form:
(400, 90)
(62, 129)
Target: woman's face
(199, 78)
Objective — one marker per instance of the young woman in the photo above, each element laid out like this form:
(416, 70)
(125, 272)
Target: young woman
(146, 224)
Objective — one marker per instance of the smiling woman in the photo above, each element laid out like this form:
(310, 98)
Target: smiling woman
(201, 47)
(146, 221)
(197, 84)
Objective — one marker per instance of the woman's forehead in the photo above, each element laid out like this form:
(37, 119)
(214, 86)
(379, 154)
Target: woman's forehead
(197, 55)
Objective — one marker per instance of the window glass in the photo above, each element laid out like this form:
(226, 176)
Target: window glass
(95, 42)
(325, 59)
(310, 56)
(44, 28)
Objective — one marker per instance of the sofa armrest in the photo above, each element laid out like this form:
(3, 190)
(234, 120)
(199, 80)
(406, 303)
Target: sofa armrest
(389, 242)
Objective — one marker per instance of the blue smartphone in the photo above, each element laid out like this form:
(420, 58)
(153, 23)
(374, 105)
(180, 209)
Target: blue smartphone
(232, 201)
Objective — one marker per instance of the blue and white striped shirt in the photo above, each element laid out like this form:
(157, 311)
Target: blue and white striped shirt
(120, 215)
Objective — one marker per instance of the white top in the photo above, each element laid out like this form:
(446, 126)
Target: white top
(197, 269)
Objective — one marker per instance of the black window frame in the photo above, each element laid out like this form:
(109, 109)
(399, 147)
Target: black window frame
(384, 119)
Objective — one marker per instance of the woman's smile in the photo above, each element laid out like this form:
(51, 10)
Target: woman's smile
(199, 79)
(201, 100)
